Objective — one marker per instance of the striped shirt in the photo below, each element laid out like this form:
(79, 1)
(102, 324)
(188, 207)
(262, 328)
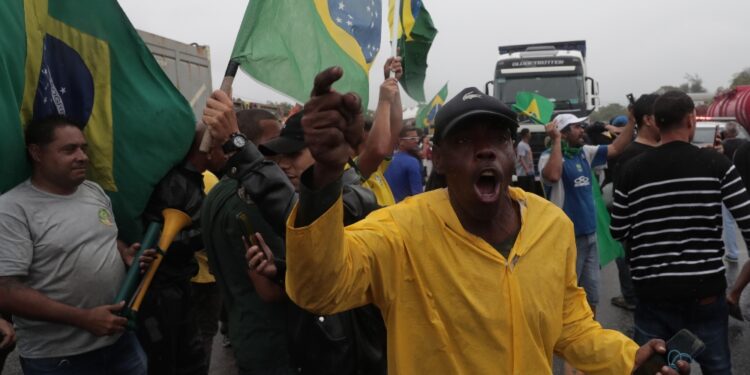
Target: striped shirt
(667, 205)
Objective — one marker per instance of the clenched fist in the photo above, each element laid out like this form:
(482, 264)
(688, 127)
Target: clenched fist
(333, 125)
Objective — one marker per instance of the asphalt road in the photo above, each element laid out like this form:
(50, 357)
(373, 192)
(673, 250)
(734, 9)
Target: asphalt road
(608, 315)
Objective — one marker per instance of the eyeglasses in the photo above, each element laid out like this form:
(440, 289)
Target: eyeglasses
(414, 139)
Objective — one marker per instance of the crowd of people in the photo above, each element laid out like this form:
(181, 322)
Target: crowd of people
(315, 244)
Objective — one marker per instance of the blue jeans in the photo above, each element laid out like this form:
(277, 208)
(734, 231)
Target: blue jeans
(587, 266)
(729, 234)
(124, 357)
(709, 322)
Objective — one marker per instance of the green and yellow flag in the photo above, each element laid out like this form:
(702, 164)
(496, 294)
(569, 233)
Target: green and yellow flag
(84, 60)
(426, 115)
(416, 33)
(609, 248)
(286, 43)
(536, 107)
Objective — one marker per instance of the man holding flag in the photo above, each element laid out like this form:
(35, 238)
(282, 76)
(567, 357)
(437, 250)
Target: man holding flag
(566, 173)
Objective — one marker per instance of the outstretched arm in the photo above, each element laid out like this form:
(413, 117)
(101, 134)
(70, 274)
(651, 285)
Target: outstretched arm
(379, 143)
(622, 140)
(330, 269)
(552, 171)
(262, 180)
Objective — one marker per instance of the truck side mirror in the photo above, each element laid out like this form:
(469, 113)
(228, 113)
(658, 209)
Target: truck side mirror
(487, 87)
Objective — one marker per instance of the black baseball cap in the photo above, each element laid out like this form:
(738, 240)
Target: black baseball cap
(472, 103)
(291, 139)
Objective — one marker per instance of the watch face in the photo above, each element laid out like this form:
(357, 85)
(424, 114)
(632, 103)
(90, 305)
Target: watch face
(239, 142)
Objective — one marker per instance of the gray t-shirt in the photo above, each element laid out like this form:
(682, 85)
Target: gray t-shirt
(66, 248)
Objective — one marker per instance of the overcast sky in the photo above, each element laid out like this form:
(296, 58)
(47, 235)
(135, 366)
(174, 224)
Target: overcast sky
(633, 46)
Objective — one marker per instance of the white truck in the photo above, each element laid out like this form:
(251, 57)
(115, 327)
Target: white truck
(555, 70)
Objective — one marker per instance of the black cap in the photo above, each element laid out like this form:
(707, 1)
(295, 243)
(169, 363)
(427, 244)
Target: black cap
(291, 139)
(471, 103)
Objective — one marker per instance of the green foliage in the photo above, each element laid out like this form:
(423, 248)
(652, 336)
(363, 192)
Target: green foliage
(693, 84)
(741, 78)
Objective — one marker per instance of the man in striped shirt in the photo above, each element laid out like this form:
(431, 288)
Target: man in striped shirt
(667, 205)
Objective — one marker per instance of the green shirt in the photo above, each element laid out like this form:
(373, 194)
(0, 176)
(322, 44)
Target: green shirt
(257, 329)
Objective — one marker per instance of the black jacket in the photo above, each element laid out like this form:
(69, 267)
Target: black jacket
(347, 343)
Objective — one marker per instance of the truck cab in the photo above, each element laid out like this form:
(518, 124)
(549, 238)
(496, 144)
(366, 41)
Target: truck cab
(556, 71)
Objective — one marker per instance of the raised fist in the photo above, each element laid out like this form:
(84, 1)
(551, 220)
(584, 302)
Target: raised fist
(389, 90)
(393, 64)
(333, 124)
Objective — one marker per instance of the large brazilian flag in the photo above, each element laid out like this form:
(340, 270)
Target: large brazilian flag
(84, 60)
(286, 43)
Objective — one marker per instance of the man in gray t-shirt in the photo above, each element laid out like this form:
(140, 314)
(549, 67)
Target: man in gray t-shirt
(61, 264)
(524, 158)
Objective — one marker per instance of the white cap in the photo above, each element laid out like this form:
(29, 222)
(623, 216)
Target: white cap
(563, 120)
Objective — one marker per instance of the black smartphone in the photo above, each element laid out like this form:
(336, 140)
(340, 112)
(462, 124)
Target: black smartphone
(684, 342)
(246, 227)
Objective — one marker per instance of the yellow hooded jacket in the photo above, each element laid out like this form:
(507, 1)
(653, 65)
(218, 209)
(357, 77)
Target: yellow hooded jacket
(453, 304)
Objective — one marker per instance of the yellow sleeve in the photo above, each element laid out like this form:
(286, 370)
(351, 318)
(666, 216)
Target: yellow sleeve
(583, 342)
(332, 269)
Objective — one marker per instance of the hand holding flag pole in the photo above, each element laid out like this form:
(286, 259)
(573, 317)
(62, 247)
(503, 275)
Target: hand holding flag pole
(226, 86)
(394, 32)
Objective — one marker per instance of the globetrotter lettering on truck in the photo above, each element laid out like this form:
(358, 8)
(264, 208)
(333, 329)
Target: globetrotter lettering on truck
(546, 62)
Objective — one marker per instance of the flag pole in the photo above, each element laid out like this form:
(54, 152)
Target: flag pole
(394, 32)
(226, 86)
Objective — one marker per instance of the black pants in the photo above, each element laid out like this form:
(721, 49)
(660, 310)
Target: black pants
(207, 307)
(168, 331)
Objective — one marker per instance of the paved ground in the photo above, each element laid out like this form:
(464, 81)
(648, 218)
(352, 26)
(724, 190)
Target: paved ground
(610, 317)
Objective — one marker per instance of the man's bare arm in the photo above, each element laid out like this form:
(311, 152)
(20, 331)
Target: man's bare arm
(622, 140)
(379, 143)
(18, 299)
(552, 171)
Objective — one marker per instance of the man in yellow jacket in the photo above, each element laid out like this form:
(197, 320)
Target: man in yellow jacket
(478, 278)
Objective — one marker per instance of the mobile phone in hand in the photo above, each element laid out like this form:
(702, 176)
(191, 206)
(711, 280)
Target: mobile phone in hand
(684, 342)
(246, 227)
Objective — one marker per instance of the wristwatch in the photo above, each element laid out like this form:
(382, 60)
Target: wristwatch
(235, 143)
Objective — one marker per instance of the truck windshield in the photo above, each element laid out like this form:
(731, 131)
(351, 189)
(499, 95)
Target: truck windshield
(565, 91)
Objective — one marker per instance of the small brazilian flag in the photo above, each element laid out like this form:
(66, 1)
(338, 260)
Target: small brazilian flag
(82, 59)
(286, 43)
(426, 115)
(536, 107)
(416, 33)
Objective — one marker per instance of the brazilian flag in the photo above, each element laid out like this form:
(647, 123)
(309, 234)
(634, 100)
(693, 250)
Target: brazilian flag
(536, 107)
(416, 33)
(286, 43)
(426, 115)
(84, 60)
